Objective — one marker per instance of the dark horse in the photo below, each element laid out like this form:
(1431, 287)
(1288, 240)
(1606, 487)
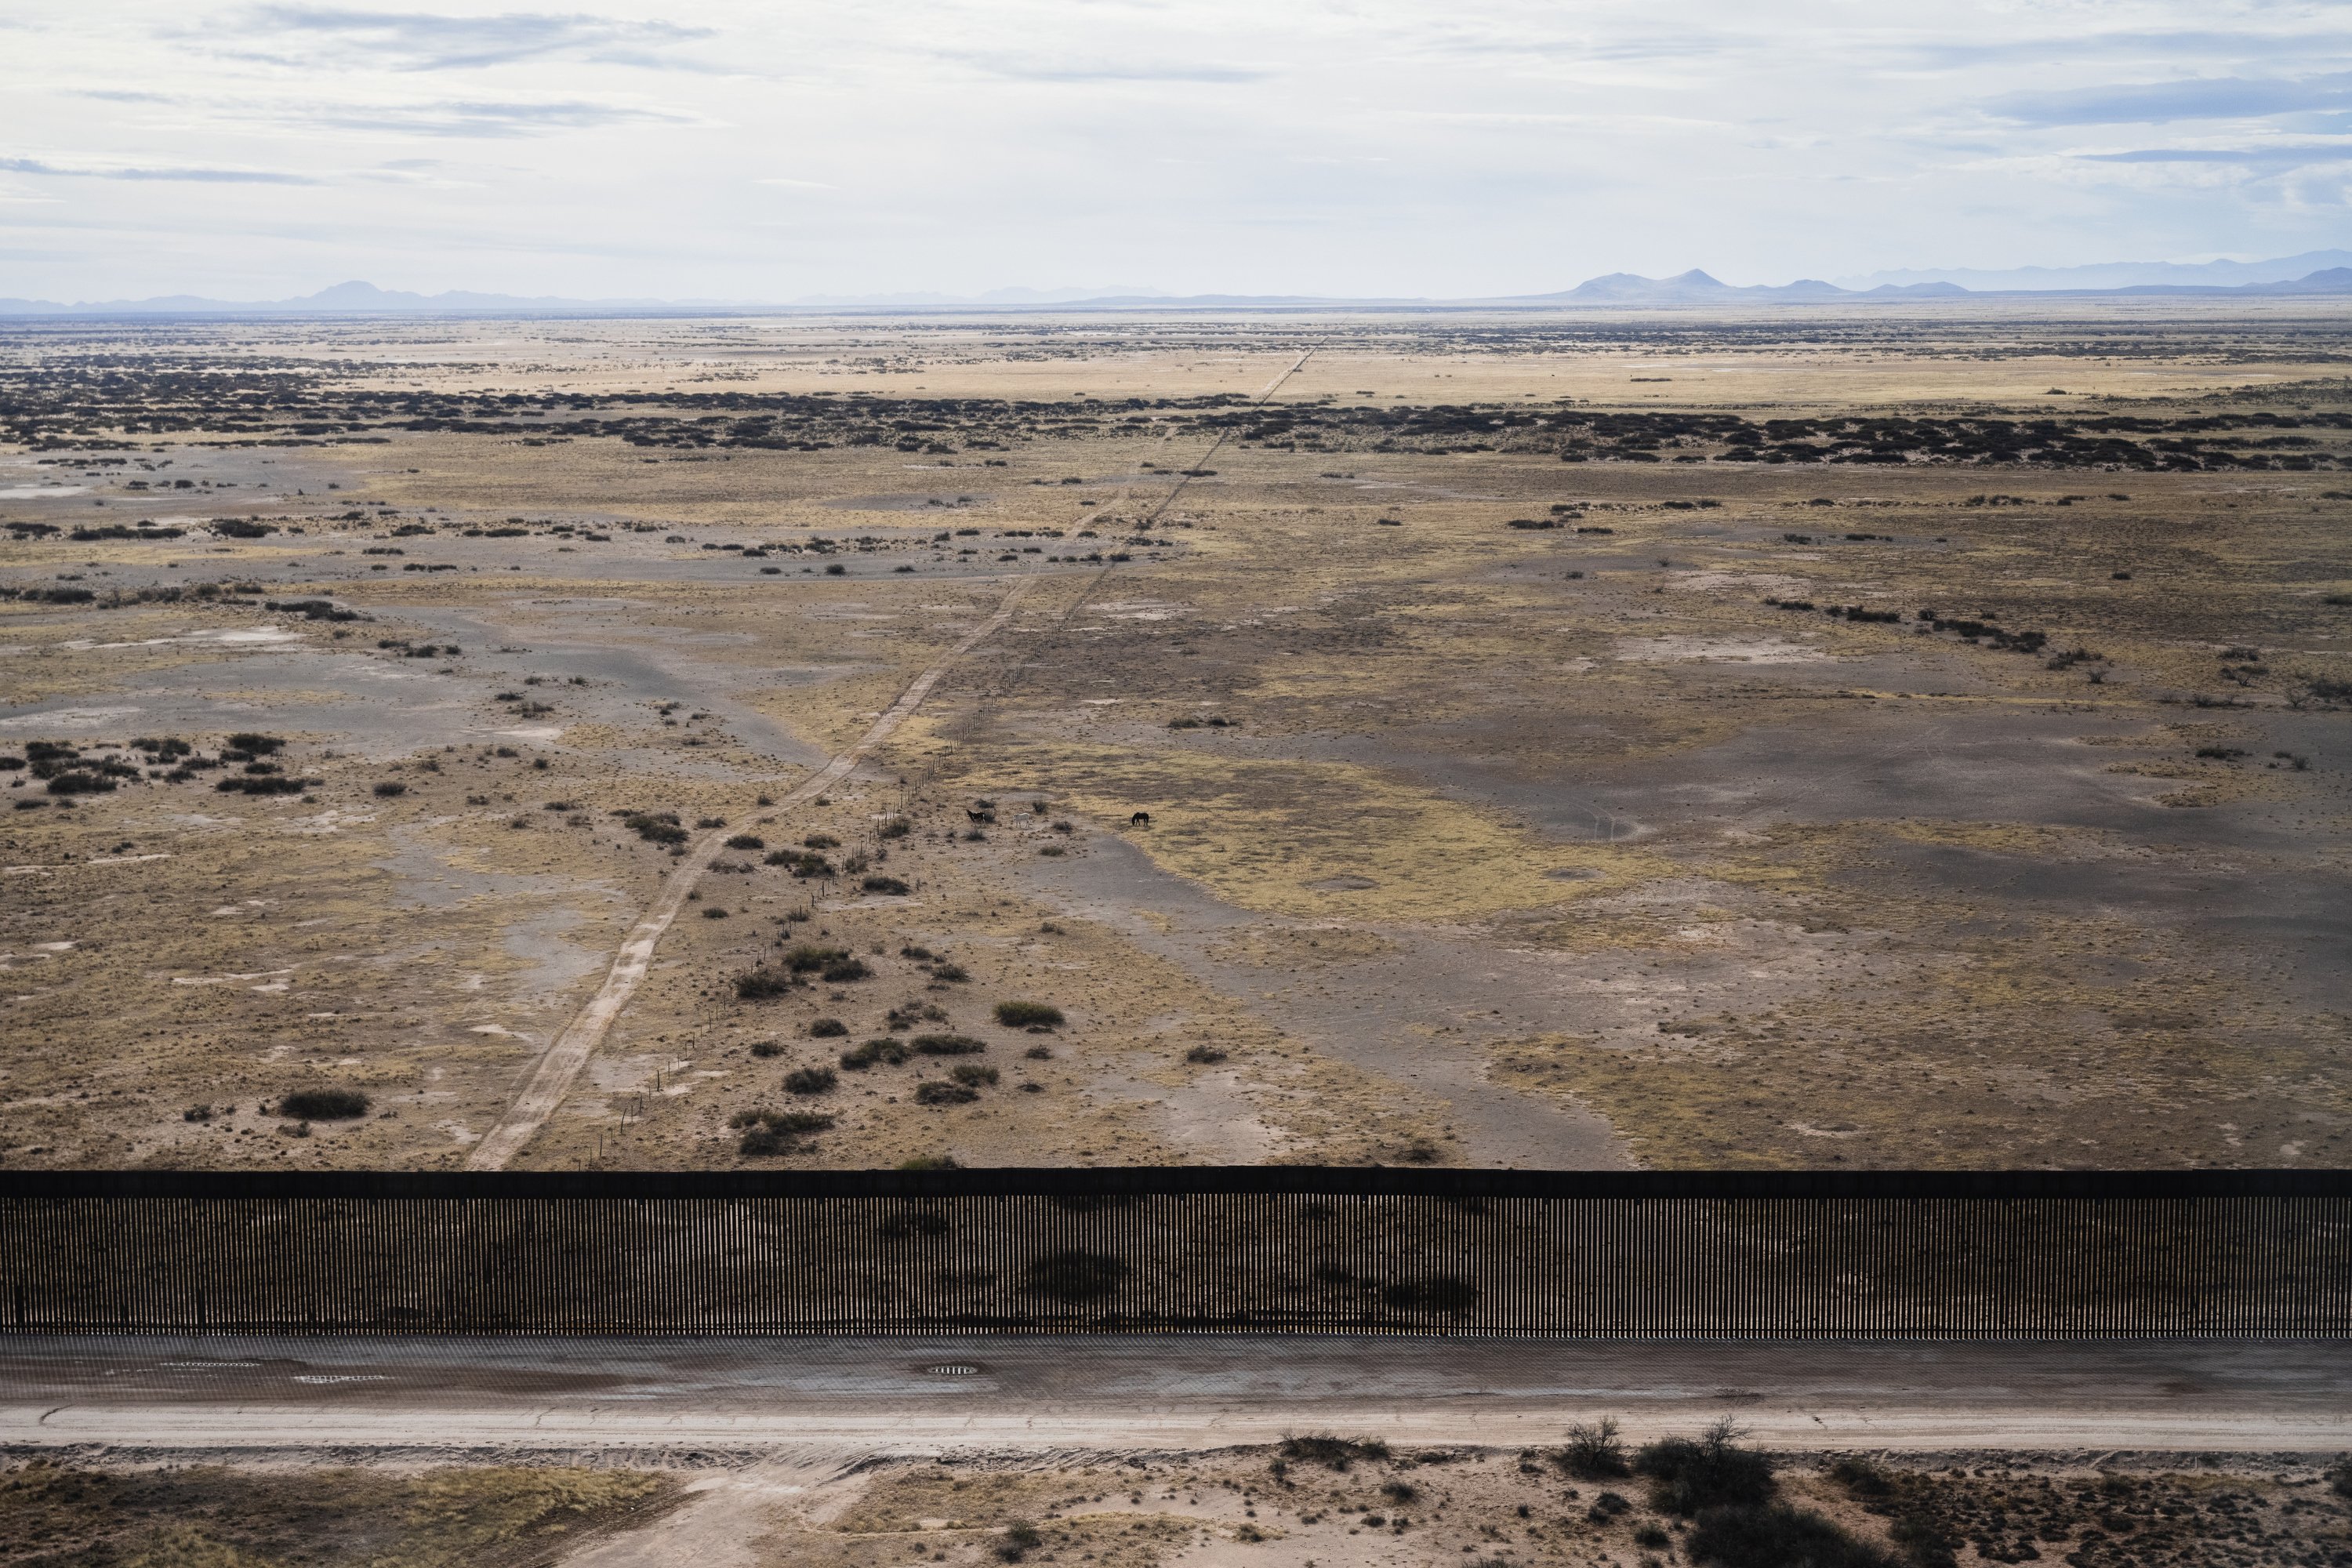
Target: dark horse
(1141, 819)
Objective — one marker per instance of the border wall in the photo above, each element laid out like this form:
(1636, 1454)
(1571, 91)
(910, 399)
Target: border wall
(1266, 1249)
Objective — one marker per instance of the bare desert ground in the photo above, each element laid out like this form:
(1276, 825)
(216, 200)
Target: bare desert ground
(1313, 1498)
(1144, 1450)
(1903, 739)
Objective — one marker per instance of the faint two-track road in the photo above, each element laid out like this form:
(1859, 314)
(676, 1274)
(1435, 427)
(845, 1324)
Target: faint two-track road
(553, 1074)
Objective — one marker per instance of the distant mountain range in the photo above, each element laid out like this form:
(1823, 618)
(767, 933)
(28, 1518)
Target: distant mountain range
(2287, 276)
(2117, 274)
(1696, 288)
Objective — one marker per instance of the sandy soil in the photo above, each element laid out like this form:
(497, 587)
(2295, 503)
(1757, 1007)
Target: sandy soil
(924, 1395)
(1481, 1505)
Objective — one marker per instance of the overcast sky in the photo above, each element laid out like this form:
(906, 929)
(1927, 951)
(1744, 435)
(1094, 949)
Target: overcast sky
(773, 150)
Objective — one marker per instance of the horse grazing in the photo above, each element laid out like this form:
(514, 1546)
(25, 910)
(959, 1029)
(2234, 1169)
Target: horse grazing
(1141, 819)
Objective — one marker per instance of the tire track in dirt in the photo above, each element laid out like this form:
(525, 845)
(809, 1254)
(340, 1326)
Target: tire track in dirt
(1226, 434)
(1011, 675)
(551, 1076)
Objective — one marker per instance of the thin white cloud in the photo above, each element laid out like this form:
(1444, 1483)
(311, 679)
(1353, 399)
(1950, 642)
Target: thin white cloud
(482, 118)
(427, 40)
(2286, 49)
(180, 173)
(2274, 157)
(2194, 97)
(1016, 67)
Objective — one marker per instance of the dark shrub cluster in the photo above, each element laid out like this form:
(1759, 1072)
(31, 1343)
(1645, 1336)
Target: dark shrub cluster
(312, 609)
(946, 1045)
(323, 1105)
(1979, 630)
(275, 783)
(74, 780)
(883, 1050)
(1776, 1535)
(1333, 1453)
(1020, 1538)
(772, 1132)
(833, 963)
(760, 984)
(801, 863)
(1593, 1452)
(1688, 1474)
(656, 827)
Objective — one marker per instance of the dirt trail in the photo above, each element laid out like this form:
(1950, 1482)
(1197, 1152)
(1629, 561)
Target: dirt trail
(1217, 446)
(551, 1078)
(1030, 1393)
(731, 1511)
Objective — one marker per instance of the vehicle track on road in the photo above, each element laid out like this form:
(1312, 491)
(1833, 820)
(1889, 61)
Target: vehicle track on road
(455, 1396)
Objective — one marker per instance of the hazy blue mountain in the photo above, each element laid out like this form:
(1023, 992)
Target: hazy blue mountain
(2334, 280)
(2118, 274)
(1692, 287)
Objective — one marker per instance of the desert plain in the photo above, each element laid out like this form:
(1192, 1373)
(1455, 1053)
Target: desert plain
(1913, 737)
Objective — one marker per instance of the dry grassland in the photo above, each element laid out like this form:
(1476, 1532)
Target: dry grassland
(1593, 841)
(211, 1516)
